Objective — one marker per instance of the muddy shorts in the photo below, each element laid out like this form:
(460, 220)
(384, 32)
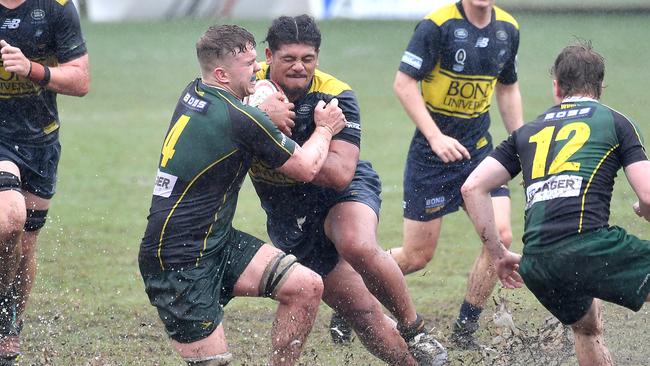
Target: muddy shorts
(607, 264)
(37, 164)
(190, 298)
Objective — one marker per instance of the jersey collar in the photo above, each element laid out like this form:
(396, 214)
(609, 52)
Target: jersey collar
(578, 98)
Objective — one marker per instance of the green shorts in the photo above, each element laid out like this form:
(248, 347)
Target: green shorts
(190, 298)
(607, 264)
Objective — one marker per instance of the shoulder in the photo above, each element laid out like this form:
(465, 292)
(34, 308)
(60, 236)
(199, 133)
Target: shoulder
(503, 16)
(327, 84)
(444, 14)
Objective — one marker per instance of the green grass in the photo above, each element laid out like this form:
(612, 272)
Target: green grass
(89, 307)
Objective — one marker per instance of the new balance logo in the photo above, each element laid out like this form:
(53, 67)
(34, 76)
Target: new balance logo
(482, 42)
(10, 24)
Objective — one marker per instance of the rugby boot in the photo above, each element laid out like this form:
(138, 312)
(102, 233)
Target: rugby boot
(340, 330)
(462, 335)
(9, 330)
(424, 348)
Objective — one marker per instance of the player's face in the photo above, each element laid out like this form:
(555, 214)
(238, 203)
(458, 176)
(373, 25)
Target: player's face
(293, 67)
(479, 4)
(241, 71)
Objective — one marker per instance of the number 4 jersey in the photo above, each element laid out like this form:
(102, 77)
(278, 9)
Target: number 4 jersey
(569, 157)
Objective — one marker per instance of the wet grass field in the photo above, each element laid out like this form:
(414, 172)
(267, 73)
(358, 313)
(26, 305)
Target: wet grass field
(89, 307)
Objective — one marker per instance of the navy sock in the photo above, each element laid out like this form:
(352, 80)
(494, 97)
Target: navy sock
(469, 313)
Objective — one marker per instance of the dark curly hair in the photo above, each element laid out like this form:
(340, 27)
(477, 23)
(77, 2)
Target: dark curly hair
(291, 30)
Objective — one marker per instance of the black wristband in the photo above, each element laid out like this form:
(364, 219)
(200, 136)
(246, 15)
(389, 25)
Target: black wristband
(46, 76)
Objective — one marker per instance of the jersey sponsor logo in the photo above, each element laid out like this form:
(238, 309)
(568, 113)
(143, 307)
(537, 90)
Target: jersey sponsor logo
(164, 184)
(482, 42)
(10, 24)
(353, 125)
(460, 58)
(435, 204)
(557, 186)
(194, 103)
(461, 33)
(12, 85)
(304, 109)
(412, 60)
(502, 35)
(468, 95)
(569, 114)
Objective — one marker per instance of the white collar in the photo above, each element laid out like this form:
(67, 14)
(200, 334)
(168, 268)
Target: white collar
(578, 98)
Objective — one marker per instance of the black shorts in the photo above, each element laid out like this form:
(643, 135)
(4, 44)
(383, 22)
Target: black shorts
(37, 164)
(303, 232)
(190, 298)
(607, 264)
(432, 188)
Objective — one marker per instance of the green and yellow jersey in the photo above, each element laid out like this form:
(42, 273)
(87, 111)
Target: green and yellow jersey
(206, 154)
(569, 157)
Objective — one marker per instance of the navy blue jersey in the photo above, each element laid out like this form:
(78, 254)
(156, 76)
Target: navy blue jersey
(47, 32)
(208, 149)
(569, 157)
(458, 65)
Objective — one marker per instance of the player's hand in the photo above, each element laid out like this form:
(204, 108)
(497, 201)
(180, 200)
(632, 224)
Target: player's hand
(448, 149)
(13, 59)
(329, 115)
(507, 268)
(279, 111)
(637, 210)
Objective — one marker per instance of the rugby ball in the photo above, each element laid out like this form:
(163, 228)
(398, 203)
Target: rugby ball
(263, 89)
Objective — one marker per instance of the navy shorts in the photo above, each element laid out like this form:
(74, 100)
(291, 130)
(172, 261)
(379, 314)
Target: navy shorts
(302, 233)
(432, 188)
(37, 164)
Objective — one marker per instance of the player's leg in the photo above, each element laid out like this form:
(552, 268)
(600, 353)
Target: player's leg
(12, 220)
(298, 291)
(209, 351)
(352, 227)
(589, 339)
(419, 245)
(346, 293)
(482, 279)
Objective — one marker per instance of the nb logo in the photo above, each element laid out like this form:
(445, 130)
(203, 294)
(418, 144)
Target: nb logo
(10, 24)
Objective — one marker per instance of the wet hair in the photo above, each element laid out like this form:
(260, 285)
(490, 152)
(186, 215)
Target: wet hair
(218, 41)
(301, 29)
(579, 70)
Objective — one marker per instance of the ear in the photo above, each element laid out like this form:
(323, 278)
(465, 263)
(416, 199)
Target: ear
(269, 56)
(221, 75)
(557, 93)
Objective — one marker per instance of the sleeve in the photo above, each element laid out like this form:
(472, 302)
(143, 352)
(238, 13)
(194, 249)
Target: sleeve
(69, 40)
(421, 53)
(631, 148)
(256, 134)
(506, 154)
(350, 107)
(509, 73)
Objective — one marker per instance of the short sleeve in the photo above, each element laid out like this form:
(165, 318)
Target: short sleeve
(509, 73)
(70, 43)
(506, 154)
(255, 133)
(422, 51)
(631, 148)
(350, 107)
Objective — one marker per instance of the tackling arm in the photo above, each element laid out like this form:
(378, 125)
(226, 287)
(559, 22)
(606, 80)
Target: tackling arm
(510, 107)
(339, 167)
(489, 175)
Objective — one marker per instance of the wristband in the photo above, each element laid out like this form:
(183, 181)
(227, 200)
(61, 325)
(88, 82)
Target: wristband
(38, 73)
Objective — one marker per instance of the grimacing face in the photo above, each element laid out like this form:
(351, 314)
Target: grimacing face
(292, 67)
(241, 69)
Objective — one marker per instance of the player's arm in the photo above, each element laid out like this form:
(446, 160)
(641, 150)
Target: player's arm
(306, 161)
(445, 147)
(510, 106)
(279, 111)
(638, 174)
(489, 175)
(339, 167)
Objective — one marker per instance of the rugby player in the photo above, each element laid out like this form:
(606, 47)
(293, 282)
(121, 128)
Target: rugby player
(191, 259)
(569, 157)
(330, 224)
(460, 55)
(43, 54)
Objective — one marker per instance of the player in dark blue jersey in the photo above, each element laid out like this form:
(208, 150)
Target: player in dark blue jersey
(460, 55)
(192, 261)
(569, 157)
(330, 224)
(43, 54)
